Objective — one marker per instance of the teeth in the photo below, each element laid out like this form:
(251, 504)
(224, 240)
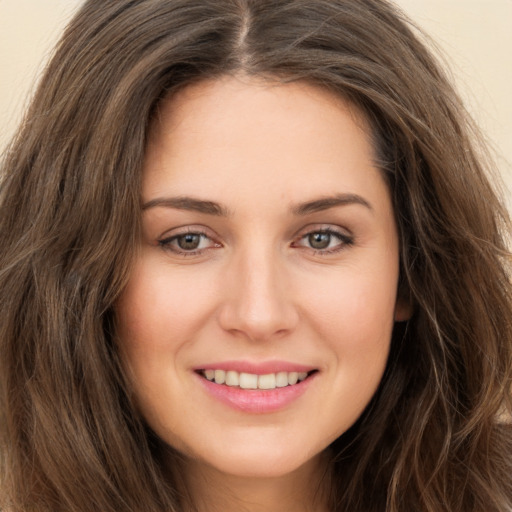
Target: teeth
(220, 376)
(248, 381)
(282, 379)
(253, 381)
(232, 378)
(267, 381)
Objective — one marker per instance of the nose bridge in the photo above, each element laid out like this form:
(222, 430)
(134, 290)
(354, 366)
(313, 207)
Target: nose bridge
(259, 304)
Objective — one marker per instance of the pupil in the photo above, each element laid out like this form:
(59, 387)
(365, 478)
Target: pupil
(319, 240)
(189, 241)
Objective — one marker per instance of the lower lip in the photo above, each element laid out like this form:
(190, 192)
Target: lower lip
(257, 401)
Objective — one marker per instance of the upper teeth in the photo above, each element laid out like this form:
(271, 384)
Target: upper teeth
(253, 381)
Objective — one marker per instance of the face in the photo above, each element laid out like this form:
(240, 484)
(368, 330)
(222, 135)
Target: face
(257, 320)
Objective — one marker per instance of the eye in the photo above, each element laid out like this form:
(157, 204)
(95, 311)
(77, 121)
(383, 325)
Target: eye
(188, 243)
(324, 241)
(319, 240)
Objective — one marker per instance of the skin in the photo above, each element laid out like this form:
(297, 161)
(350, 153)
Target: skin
(256, 289)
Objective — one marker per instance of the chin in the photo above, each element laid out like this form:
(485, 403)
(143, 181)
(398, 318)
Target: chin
(255, 458)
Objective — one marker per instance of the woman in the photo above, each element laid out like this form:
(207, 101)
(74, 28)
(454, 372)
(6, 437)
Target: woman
(251, 260)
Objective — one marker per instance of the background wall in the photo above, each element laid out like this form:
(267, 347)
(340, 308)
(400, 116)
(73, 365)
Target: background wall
(474, 34)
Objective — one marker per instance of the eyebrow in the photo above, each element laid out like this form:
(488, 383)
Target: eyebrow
(188, 203)
(213, 208)
(325, 203)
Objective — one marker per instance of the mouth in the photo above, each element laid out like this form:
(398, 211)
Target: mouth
(253, 381)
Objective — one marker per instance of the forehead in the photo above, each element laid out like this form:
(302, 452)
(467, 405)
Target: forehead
(246, 136)
(245, 98)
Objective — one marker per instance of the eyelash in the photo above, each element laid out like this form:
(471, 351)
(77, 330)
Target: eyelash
(344, 242)
(167, 243)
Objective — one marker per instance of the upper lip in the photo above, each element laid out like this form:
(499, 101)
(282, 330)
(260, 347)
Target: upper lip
(258, 368)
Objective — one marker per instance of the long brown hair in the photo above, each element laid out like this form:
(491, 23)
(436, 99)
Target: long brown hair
(71, 439)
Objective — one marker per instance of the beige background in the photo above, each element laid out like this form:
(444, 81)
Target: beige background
(476, 36)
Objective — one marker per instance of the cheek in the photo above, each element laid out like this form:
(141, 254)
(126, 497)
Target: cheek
(159, 307)
(353, 313)
(354, 322)
(356, 305)
(157, 317)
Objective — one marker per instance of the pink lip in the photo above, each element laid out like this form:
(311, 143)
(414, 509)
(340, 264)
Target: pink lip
(256, 401)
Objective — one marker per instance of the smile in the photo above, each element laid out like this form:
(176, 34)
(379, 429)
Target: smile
(257, 390)
(245, 380)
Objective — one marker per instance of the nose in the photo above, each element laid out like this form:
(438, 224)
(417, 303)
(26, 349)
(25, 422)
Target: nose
(258, 301)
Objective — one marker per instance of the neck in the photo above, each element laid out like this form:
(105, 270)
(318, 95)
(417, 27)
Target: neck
(303, 490)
